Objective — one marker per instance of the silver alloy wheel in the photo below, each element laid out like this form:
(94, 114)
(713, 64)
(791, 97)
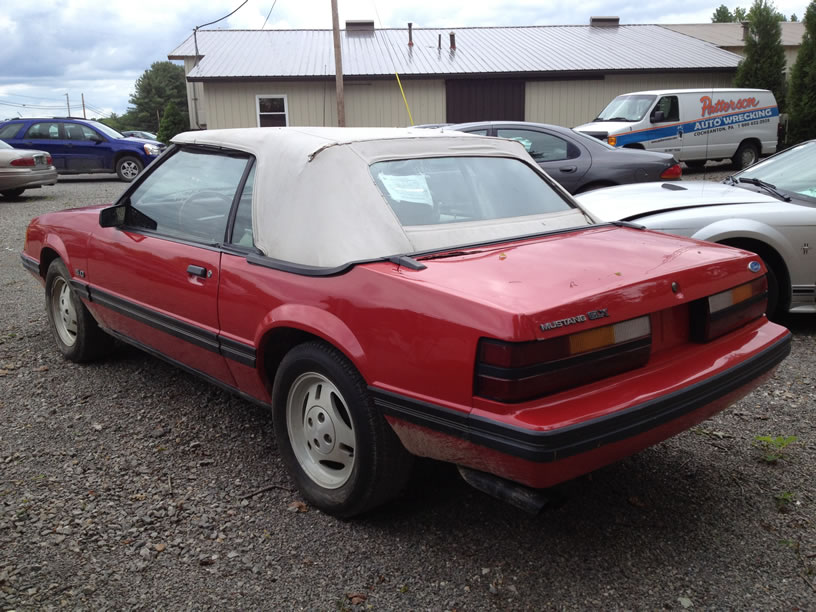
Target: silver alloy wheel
(129, 169)
(320, 430)
(63, 311)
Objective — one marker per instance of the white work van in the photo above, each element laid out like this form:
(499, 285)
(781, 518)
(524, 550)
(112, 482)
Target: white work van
(693, 124)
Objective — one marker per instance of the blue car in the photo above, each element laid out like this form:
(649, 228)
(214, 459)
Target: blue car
(80, 146)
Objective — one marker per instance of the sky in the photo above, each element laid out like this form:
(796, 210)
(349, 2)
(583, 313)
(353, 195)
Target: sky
(95, 48)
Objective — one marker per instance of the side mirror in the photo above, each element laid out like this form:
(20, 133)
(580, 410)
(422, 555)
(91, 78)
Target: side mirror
(97, 138)
(113, 216)
(658, 116)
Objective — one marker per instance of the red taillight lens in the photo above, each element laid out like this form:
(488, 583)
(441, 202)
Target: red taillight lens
(23, 161)
(48, 160)
(519, 371)
(672, 173)
(723, 312)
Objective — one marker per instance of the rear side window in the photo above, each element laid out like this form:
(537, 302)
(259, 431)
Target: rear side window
(44, 131)
(189, 196)
(10, 130)
(457, 189)
(542, 147)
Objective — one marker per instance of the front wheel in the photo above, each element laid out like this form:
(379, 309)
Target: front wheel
(77, 333)
(128, 168)
(343, 456)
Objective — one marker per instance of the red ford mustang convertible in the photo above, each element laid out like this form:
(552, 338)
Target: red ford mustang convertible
(391, 293)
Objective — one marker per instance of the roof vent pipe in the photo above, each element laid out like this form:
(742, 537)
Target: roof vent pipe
(410, 34)
(604, 22)
(453, 41)
(440, 42)
(746, 25)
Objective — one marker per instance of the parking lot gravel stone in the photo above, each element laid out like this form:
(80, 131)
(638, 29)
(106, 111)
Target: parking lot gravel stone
(128, 484)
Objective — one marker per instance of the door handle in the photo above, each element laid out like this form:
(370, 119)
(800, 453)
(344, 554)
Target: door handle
(200, 271)
(568, 169)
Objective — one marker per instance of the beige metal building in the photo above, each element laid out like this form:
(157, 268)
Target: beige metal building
(552, 74)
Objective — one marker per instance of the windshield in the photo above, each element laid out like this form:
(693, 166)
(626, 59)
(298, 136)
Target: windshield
(627, 108)
(107, 131)
(444, 190)
(793, 171)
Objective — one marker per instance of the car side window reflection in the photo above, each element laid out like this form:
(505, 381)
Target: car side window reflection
(189, 196)
(242, 228)
(541, 147)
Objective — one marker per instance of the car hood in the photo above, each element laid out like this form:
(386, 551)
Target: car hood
(623, 271)
(145, 140)
(609, 127)
(628, 202)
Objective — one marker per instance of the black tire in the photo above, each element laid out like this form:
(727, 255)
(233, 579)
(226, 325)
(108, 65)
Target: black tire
(343, 456)
(13, 193)
(128, 168)
(76, 332)
(747, 155)
(773, 310)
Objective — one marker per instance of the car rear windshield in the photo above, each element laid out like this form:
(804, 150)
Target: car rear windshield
(441, 190)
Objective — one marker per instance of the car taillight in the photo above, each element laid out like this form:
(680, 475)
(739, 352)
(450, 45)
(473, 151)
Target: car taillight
(519, 371)
(672, 173)
(23, 161)
(49, 160)
(723, 312)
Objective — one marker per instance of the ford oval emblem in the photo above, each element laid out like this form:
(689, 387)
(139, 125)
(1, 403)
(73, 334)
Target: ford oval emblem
(754, 266)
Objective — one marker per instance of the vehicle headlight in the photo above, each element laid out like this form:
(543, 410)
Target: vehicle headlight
(152, 149)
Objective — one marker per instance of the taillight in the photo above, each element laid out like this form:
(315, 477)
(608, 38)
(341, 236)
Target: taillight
(723, 312)
(23, 161)
(672, 173)
(48, 160)
(519, 371)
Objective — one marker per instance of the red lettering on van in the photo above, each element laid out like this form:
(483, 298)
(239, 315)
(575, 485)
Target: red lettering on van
(709, 107)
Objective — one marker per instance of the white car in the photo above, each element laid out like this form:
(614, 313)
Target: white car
(769, 208)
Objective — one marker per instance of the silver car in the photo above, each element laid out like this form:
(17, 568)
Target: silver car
(769, 208)
(22, 169)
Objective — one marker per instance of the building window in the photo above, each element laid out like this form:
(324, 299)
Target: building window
(272, 111)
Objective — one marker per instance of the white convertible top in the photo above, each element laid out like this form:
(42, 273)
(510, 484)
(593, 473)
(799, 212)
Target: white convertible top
(315, 201)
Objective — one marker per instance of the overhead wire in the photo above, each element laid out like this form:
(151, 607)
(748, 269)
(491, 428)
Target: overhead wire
(394, 64)
(268, 14)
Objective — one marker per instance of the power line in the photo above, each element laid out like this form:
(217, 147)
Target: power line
(268, 14)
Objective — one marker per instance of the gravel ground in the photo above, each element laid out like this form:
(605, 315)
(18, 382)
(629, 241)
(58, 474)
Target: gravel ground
(130, 485)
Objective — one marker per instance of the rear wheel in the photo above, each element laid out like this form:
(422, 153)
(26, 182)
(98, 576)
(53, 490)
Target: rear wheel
(77, 333)
(12, 193)
(343, 456)
(128, 168)
(747, 154)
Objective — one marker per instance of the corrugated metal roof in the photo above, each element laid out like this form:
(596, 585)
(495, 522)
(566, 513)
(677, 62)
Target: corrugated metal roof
(248, 54)
(730, 34)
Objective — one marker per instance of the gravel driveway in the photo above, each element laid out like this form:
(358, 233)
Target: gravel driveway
(129, 484)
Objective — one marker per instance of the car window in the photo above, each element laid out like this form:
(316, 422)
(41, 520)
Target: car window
(44, 131)
(458, 189)
(10, 130)
(76, 131)
(792, 171)
(190, 195)
(477, 132)
(242, 228)
(107, 131)
(542, 147)
(670, 108)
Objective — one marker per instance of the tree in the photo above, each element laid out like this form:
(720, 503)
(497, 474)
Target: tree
(163, 83)
(172, 123)
(722, 15)
(740, 15)
(764, 63)
(794, 17)
(802, 94)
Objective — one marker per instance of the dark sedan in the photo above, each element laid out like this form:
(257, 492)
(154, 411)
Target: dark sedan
(577, 161)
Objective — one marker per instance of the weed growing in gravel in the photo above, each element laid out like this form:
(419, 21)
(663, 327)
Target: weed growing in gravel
(773, 447)
(784, 501)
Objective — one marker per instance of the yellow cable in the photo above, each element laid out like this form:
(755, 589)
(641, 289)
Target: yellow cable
(404, 99)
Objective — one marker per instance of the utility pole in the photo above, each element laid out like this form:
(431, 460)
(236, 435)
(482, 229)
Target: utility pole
(84, 116)
(68, 102)
(338, 67)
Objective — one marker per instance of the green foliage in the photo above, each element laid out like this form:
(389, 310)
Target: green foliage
(784, 501)
(764, 63)
(722, 15)
(802, 92)
(794, 18)
(773, 447)
(172, 123)
(162, 83)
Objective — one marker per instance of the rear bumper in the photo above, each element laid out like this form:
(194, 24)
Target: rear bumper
(543, 458)
(16, 178)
